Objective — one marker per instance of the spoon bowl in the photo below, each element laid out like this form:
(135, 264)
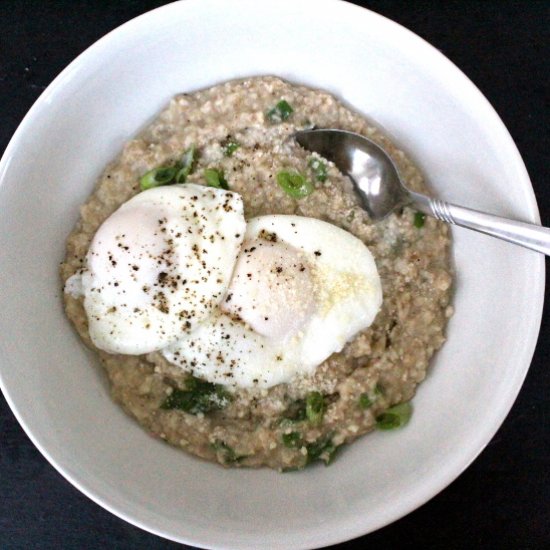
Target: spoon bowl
(381, 190)
(370, 168)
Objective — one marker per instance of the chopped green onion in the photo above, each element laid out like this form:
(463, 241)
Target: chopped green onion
(292, 440)
(296, 412)
(165, 175)
(419, 219)
(323, 449)
(215, 178)
(187, 164)
(315, 407)
(230, 147)
(395, 417)
(280, 112)
(198, 396)
(319, 168)
(294, 184)
(157, 176)
(227, 453)
(365, 401)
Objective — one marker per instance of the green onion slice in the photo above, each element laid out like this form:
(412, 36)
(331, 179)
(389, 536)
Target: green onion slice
(230, 147)
(294, 184)
(227, 453)
(187, 164)
(315, 407)
(158, 176)
(323, 449)
(365, 401)
(292, 440)
(280, 112)
(395, 417)
(296, 412)
(319, 168)
(215, 178)
(419, 219)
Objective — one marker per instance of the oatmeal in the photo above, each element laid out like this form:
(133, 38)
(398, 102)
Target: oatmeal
(239, 134)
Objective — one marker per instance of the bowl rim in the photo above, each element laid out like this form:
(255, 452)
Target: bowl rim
(529, 343)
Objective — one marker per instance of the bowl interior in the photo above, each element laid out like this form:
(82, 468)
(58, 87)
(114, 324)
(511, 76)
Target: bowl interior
(80, 123)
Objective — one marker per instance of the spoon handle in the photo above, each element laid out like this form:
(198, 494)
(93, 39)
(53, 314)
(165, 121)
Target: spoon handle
(527, 235)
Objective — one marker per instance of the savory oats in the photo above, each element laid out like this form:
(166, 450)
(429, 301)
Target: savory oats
(240, 137)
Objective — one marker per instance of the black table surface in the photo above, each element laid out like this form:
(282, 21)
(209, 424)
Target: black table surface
(502, 500)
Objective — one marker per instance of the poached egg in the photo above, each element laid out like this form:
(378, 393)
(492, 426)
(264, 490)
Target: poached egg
(159, 266)
(300, 290)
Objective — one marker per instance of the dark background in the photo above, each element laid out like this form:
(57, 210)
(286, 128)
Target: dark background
(501, 501)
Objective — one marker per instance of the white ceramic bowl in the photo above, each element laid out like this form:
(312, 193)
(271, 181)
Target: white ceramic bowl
(55, 386)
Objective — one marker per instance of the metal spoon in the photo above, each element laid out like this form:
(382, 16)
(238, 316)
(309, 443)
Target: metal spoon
(381, 190)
